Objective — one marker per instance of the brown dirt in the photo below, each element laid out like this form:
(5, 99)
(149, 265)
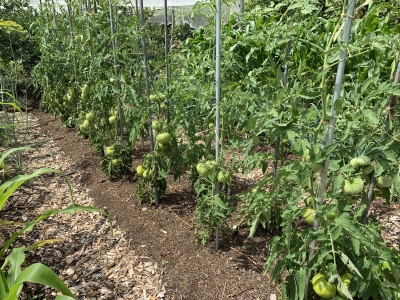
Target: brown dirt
(161, 234)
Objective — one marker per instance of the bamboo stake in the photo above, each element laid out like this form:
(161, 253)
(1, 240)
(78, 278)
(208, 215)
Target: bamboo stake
(370, 194)
(116, 71)
(166, 55)
(217, 97)
(55, 25)
(285, 84)
(70, 25)
(85, 3)
(332, 124)
(146, 73)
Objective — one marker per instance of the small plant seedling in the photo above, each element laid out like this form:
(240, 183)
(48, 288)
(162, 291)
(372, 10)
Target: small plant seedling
(164, 262)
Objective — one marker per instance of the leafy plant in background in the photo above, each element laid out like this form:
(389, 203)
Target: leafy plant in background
(8, 136)
(19, 50)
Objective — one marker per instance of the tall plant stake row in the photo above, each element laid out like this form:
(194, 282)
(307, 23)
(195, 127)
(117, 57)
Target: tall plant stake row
(166, 55)
(55, 25)
(332, 123)
(146, 73)
(285, 85)
(217, 97)
(117, 86)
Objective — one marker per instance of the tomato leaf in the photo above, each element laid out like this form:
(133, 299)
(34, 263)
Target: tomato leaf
(316, 260)
(254, 225)
(219, 202)
(396, 186)
(301, 277)
(336, 232)
(337, 183)
(346, 260)
(343, 288)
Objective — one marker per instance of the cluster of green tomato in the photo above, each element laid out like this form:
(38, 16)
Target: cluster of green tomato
(326, 290)
(308, 212)
(110, 150)
(363, 165)
(208, 167)
(144, 170)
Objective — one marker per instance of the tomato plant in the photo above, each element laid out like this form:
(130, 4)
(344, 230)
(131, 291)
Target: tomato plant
(272, 94)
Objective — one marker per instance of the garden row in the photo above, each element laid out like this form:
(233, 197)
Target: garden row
(313, 80)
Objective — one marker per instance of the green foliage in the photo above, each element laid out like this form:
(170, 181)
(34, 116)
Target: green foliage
(37, 273)
(257, 108)
(8, 135)
(168, 158)
(15, 36)
(213, 207)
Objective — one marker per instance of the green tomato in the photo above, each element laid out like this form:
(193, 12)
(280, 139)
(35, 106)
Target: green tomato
(367, 169)
(112, 79)
(202, 169)
(85, 125)
(140, 170)
(223, 176)
(83, 128)
(316, 167)
(385, 181)
(113, 120)
(163, 138)
(211, 125)
(210, 156)
(322, 287)
(70, 95)
(163, 146)
(147, 174)
(360, 161)
(353, 186)
(78, 39)
(157, 126)
(308, 215)
(85, 92)
(116, 162)
(307, 155)
(317, 277)
(211, 164)
(153, 97)
(333, 215)
(89, 117)
(110, 150)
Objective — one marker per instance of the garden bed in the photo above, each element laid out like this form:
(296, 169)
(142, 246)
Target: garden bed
(153, 252)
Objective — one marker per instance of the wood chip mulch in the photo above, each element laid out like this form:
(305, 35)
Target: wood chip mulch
(94, 262)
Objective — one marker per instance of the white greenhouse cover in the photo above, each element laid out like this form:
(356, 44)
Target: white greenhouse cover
(146, 3)
(181, 9)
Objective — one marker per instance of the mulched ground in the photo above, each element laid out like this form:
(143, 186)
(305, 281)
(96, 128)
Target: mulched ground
(154, 252)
